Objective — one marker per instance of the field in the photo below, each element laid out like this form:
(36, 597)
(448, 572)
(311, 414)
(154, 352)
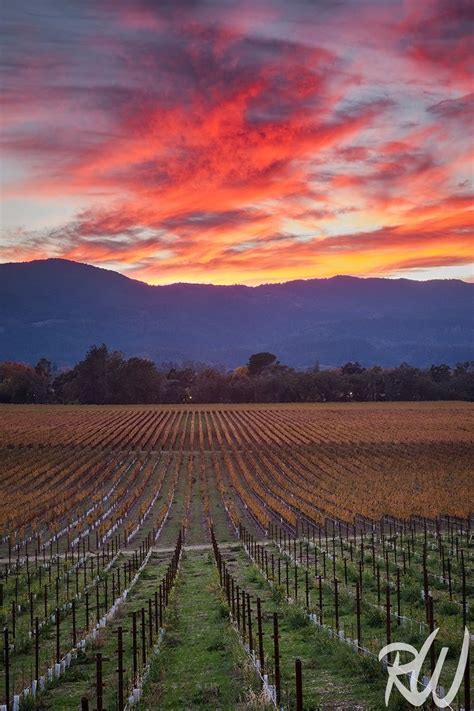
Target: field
(200, 557)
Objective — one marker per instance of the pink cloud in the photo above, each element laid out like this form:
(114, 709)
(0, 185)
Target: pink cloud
(240, 139)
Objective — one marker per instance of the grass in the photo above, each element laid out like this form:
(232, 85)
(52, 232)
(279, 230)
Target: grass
(201, 664)
(79, 680)
(334, 676)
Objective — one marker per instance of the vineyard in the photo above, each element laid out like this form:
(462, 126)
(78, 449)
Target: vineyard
(231, 557)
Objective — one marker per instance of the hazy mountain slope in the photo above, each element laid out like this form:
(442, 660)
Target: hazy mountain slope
(58, 309)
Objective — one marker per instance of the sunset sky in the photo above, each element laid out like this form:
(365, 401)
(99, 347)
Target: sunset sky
(249, 141)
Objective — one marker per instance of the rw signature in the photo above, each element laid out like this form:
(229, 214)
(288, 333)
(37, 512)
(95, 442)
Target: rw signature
(413, 669)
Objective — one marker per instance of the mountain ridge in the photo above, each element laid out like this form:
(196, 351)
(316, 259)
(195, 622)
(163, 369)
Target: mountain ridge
(57, 308)
(61, 260)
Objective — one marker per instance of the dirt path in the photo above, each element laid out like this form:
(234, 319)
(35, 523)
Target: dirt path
(157, 549)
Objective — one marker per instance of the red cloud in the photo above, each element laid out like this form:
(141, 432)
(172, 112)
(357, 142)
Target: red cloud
(233, 144)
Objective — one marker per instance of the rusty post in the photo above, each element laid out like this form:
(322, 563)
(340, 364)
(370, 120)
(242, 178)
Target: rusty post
(143, 632)
(134, 647)
(97, 603)
(399, 609)
(387, 614)
(7, 665)
(260, 634)
(276, 657)
(156, 611)
(87, 610)
(359, 632)
(249, 623)
(99, 686)
(237, 600)
(150, 623)
(320, 586)
(120, 669)
(467, 678)
(299, 685)
(36, 648)
(58, 626)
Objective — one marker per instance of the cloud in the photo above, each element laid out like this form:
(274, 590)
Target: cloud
(460, 108)
(440, 38)
(428, 262)
(209, 142)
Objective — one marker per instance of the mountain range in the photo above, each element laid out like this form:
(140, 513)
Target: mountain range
(58, 308)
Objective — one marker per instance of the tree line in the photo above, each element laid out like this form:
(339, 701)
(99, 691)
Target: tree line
(107, 377)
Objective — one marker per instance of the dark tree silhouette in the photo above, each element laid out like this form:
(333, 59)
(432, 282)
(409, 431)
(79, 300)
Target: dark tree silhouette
(105, 376)
(259, 361)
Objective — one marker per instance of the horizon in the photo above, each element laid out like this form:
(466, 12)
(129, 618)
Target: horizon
(469, 281)
(248, 144)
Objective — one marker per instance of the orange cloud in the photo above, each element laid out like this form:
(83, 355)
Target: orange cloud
(210, 144)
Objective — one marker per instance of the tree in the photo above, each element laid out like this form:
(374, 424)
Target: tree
(260, 361)
(21, 383)
(139, 382)
(64, 389)
(408, 383)
(44, 368)
(91, 376)
(461, 385)
(104, 377)
(352, 368)
(464, 368)
(44, 371)
(328, 386)
(440, 373)
(96, 379)
(209, 386)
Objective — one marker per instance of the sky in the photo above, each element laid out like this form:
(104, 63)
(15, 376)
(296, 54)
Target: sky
(239, 142)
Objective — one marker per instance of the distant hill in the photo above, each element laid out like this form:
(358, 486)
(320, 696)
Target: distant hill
(57, 308)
